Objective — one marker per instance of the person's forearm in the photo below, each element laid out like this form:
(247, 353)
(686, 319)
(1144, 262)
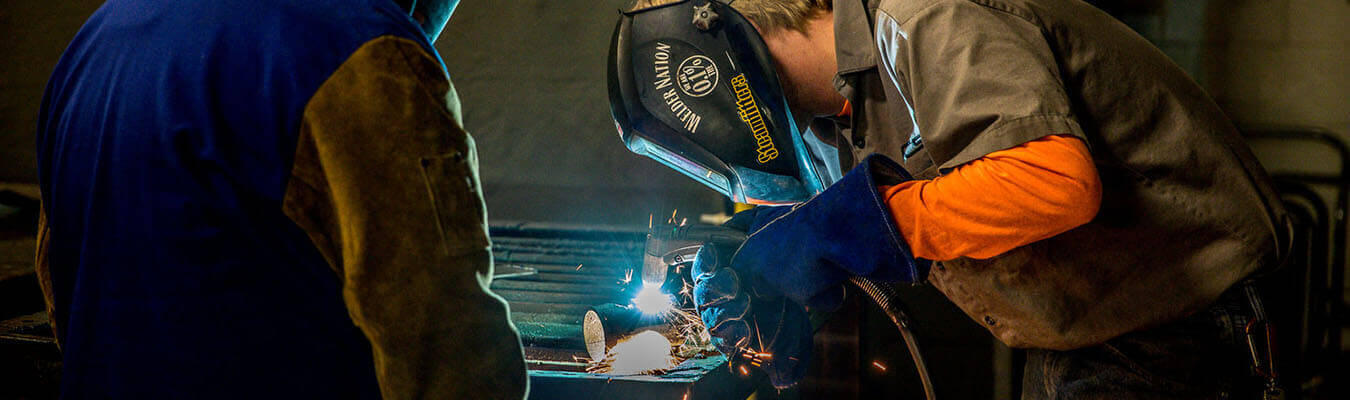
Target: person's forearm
(999, 202)
(388, 191)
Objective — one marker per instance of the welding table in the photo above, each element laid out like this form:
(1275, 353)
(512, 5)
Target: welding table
(537, 273)
(551, 275)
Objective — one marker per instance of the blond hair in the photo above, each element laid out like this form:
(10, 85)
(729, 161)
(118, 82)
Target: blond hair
(768, 15)
(772, 15)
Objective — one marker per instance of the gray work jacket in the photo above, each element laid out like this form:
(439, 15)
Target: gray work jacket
(1186, 210)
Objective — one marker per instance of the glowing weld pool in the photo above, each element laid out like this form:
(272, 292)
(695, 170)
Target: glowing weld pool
(551, 276)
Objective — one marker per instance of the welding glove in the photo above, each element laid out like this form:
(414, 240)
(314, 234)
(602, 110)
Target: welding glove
(808, 252)
(752, 301)
(749, 322)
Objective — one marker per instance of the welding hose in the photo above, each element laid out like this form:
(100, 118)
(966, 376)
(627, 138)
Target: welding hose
(885, 298)
(883, 295)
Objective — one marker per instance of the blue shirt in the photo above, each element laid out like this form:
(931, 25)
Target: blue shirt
(165, 142)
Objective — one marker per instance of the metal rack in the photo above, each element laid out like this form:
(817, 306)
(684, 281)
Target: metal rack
(1307, 295)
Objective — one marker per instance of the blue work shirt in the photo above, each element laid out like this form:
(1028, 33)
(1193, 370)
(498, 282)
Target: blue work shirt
(165, 143)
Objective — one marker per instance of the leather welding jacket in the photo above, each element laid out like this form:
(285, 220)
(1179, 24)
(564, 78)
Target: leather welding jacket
(1186, 210)
(265, 199)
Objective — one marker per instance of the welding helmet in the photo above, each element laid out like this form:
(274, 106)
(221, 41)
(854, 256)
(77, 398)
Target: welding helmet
(692, 85)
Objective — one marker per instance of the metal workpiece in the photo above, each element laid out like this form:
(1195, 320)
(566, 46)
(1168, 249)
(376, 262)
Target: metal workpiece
(696, 378)
(554, 277)
(606, 325)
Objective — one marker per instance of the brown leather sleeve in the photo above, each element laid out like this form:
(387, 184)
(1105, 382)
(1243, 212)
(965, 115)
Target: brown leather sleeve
(385, 182)
(43, 267)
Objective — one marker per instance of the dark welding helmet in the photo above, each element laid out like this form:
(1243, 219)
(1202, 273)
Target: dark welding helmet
(692, 85)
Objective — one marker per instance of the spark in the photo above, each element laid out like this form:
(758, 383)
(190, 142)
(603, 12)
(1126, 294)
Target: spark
(672, 216)
(685, 318)
(744, 371)
(649, 221)
(879, 366)
(689, 324)
(579, 266)
(744, 342)
(684, 221)
(757, 335)
(756, 358)
(652, 301)
(627, 277)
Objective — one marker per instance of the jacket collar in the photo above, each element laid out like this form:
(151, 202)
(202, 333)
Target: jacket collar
(853, 35)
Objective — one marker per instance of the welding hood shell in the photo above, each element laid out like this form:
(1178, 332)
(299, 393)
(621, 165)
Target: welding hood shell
(692, 85)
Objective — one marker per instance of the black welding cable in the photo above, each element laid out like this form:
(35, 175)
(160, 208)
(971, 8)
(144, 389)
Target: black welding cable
(885, 297)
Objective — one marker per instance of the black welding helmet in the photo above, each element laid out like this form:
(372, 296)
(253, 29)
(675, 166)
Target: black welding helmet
(692, 85)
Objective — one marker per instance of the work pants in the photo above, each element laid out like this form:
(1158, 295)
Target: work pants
(1204, 356)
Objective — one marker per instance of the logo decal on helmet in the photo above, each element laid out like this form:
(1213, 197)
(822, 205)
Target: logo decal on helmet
(661, 62)
(697, 76)
(749, 112)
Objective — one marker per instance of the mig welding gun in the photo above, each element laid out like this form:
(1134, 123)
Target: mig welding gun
(669, 249)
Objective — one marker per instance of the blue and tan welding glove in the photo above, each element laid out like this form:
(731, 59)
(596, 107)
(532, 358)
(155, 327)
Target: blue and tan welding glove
(754, 328)
(808, 252)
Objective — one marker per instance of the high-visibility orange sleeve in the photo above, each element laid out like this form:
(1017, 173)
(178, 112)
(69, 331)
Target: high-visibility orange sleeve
(999, 202)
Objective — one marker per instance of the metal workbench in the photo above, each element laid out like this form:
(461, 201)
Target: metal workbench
(551, 275)
(536, 272)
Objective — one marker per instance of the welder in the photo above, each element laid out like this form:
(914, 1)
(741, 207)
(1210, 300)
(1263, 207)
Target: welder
(267, 199)
(1047, 169)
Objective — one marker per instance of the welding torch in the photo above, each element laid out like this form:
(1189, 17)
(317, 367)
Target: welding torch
(668, 247)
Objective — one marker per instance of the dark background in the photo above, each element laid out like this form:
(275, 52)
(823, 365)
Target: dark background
(531, 76)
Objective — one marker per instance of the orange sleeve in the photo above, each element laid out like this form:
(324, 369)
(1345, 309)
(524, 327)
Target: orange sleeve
(998, 202)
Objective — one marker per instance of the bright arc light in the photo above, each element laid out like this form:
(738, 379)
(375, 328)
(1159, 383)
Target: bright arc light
(645, 352)
(652, 301)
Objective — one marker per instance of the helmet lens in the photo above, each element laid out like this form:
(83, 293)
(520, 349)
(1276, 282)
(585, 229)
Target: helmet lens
(686, 166)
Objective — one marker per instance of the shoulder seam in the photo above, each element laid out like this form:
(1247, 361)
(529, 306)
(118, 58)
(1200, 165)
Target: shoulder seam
(1007, 9)
(400, 44)
(443, 76)
(906, 21)
(989, 4)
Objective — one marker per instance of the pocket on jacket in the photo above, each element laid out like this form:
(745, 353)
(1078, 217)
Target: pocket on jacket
(452, 188)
